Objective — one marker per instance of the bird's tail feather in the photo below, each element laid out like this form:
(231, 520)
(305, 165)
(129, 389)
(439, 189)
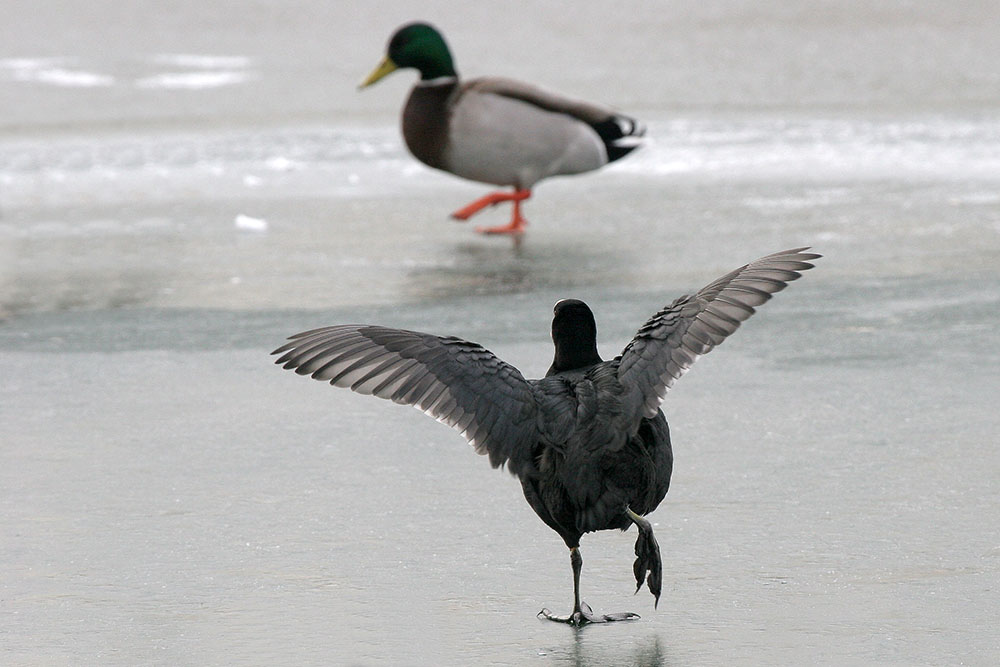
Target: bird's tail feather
(621, 135)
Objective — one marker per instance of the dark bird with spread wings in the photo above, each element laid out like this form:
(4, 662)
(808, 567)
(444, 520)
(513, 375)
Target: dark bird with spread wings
(588, 441)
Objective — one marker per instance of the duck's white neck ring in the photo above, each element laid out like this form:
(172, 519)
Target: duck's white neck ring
(438, 81)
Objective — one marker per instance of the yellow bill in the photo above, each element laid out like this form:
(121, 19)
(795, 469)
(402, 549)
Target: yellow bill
(384, 68)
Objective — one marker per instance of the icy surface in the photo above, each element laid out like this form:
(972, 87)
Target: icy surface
(169, 496)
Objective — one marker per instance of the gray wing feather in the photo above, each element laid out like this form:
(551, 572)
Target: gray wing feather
(540, 97)
(668, 344)
(457, 382)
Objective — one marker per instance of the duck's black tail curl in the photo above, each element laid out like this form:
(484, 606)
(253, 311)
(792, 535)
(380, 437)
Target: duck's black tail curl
(621, 135)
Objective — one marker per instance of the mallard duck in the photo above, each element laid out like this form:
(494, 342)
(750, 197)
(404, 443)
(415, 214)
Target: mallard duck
(588, 441)
(497, 130)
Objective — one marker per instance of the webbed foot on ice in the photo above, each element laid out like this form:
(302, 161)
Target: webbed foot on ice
(585, 616)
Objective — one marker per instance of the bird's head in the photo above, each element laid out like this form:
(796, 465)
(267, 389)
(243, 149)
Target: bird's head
(574, 333)
(417, 45)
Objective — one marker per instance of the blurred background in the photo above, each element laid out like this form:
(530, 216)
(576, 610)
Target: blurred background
(183, 184)
(144, 146)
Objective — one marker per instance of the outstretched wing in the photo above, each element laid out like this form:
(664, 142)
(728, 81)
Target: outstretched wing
(665, 346)
(457, 382)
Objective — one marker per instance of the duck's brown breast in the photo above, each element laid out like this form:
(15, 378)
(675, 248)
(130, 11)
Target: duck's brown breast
(425, 122)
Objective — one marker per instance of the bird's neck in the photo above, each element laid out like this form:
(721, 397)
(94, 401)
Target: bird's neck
(573, 353)
(438, 81)
(436, 64)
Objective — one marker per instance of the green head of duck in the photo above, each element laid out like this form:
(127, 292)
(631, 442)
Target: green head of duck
(416, 45)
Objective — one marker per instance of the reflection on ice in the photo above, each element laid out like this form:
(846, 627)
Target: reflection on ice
(194, 80)
(53, 72)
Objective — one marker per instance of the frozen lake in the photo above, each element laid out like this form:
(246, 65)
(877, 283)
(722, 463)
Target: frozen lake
(180, 193)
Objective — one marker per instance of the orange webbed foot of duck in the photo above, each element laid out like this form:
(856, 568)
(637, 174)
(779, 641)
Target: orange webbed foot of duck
(517, 223)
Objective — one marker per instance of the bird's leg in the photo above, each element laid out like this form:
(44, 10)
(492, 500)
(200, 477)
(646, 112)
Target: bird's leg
(647, 557)
(582, 613)
(492, 199)
(517, 222)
